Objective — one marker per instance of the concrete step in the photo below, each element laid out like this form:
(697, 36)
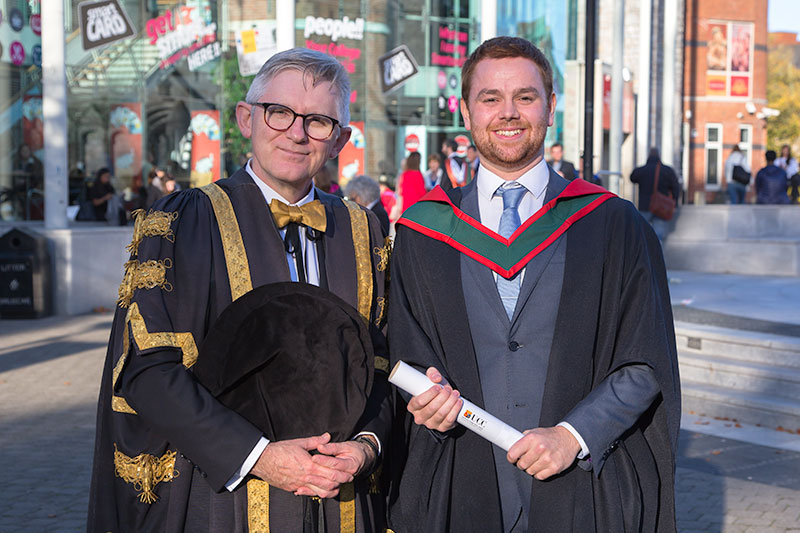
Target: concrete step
(740, 406)
(746, 376)
(763, 257)
(720, 371)
(738, 239)
(750, 346)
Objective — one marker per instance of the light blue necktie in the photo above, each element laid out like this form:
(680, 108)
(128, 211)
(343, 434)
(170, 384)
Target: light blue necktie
(512, 193)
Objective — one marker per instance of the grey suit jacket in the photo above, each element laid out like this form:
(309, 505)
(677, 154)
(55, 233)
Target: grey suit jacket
(611, 408)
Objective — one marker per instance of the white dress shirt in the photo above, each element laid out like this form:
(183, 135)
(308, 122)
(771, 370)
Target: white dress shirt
(312, 275)
(490, 207)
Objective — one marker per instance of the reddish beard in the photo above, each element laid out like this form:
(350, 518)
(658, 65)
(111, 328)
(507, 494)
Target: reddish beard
(505, 155)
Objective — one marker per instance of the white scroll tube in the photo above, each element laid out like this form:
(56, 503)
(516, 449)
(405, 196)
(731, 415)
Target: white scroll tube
(470, 416)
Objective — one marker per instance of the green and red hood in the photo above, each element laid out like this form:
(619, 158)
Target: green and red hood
(436, 216)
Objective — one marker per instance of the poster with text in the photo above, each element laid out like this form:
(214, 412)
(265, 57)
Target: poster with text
(205, 147)
(126, 142)
(351, 158)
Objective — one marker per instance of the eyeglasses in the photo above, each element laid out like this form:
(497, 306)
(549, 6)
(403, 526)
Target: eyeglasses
(280, 118)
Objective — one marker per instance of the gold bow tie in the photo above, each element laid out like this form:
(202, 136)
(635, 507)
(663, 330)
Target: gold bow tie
(311, 214)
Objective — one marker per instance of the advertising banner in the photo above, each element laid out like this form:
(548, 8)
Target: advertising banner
(103, 22)
(729, 59)
(206, 147)
(351, 158)
(32, 126)
(255, 46)
(126, 141)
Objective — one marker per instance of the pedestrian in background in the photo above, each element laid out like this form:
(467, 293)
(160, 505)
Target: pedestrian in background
(366, 192)
(388, 197)
(771, 182)
(736, 189)
(433, 176)
(787, 162)
(473, 162)
(411, 186)
(559, 164)
(454, 165)
(668, 183)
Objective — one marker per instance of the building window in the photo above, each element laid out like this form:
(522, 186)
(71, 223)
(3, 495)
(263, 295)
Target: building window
(713, 156)
(746, 142)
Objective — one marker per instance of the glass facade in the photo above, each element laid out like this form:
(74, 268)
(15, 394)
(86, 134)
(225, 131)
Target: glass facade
(164, 97)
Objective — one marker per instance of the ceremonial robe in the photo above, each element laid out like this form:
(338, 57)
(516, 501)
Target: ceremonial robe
(614, 310)
(185, 268)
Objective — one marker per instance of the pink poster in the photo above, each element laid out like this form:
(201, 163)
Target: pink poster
(205, 147)
(351, 158)
(126, 140)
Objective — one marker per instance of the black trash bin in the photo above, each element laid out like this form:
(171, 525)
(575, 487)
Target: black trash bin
(25, 279)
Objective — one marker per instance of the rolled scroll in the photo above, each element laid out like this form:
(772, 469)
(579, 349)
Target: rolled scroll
(470, 416)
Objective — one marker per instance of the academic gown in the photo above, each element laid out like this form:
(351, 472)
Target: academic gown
(614, 310)
(154, 413)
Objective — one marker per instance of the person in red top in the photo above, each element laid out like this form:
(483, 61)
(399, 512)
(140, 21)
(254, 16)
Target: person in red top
(412, 184)
(388, 197)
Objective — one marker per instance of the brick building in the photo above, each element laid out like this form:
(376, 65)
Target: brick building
(725, 90)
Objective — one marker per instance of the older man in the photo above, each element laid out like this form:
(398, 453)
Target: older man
(366, 192)
(544, 302)
(170, 455)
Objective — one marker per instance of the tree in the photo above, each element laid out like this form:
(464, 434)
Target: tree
(783, 94)
(234, 89)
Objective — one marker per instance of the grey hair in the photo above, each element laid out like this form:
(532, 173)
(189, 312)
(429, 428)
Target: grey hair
(366, 188)
(319, 66)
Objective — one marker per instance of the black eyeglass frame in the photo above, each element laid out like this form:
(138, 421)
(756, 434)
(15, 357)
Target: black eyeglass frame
(305, 118)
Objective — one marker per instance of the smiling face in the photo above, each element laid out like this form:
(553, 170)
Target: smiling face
(508, 112)
(287, 160)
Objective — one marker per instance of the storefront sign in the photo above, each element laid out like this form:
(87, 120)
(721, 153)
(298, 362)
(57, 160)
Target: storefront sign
(451, 42)
(463, 143)
(126, 140)
(452, 103)
(205, 147)
(254, 47)
(204, 55)
(180, 33)
(396, 68)
(103, 22)
(347, 56)
(334, 28)
(412, 143)
(351, 158)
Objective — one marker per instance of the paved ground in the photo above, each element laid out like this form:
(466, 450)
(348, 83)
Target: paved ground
(49, 381)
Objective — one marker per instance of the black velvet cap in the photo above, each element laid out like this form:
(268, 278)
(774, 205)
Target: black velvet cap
(292, 358)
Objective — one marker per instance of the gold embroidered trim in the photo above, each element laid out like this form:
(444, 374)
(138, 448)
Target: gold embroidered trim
(381, 363)
(358, 222)
(152, 224)
(232, 243)
(146, 340)
(257, 506)
(147, 275)
(145, 471)
(380, 301)
(121, 363)
(347, 508)
(384, 253)
(120, 405)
